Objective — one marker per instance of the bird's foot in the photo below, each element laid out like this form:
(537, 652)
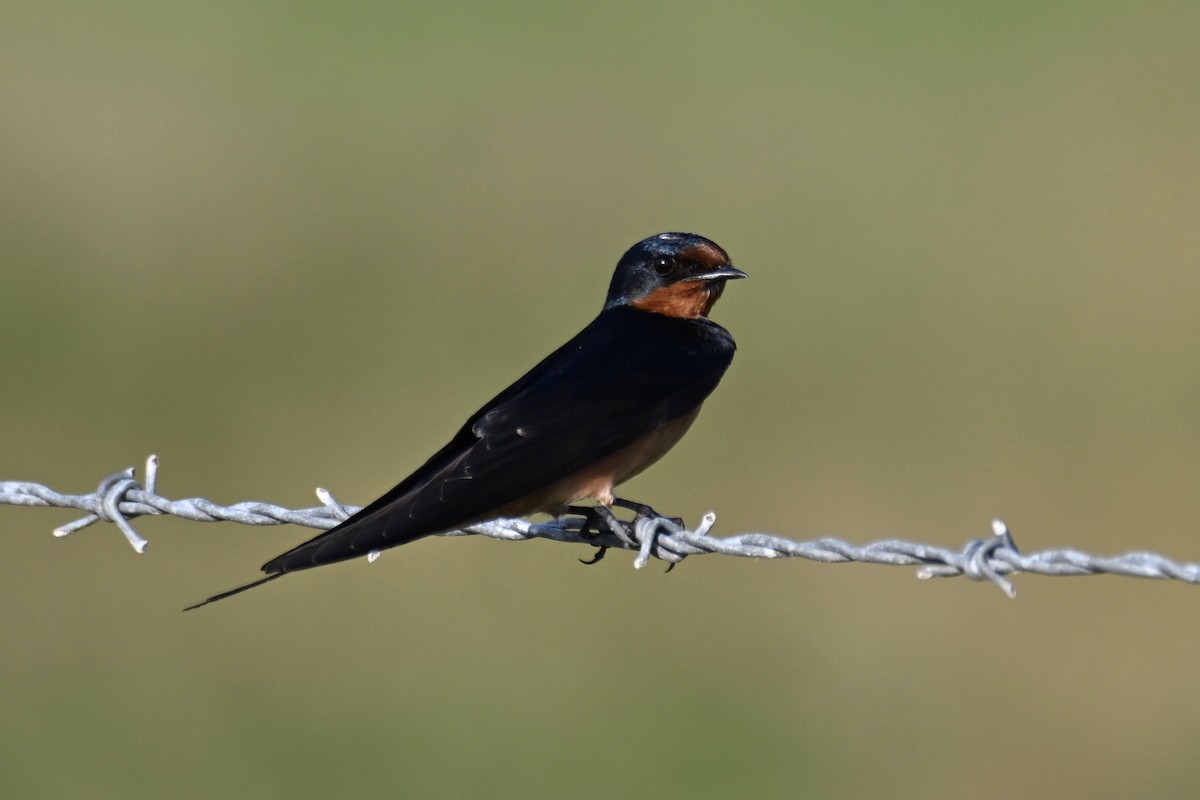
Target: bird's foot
(598, 520)
(643, 511)
(640, 533)
(647, 530)
(647, 523)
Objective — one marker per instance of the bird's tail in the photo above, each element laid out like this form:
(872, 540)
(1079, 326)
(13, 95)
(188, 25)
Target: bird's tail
(238, 590)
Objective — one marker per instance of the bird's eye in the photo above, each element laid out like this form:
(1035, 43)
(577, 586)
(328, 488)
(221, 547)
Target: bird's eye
(664, 266)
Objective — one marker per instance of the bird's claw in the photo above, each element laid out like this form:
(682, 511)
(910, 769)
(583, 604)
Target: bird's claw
(601, 551)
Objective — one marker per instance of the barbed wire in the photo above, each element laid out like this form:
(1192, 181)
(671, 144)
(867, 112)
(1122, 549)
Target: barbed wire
(120, 498)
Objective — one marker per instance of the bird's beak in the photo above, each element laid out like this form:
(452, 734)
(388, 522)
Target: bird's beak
(727, 272)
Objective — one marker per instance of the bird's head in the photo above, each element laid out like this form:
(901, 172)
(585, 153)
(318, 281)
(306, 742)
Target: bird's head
(676, 274)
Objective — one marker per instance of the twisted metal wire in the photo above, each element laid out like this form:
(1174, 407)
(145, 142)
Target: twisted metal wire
(120, 498)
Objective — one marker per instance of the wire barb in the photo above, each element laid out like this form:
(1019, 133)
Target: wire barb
(120, 498)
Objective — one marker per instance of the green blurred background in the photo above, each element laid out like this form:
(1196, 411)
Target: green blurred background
(286, 245)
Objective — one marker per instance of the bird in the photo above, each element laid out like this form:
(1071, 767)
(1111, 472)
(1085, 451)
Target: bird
(593, 414)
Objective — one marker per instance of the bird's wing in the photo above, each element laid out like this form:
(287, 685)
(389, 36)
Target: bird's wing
(621, 378)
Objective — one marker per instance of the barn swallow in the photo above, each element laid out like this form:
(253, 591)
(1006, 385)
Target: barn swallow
(593, 414)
